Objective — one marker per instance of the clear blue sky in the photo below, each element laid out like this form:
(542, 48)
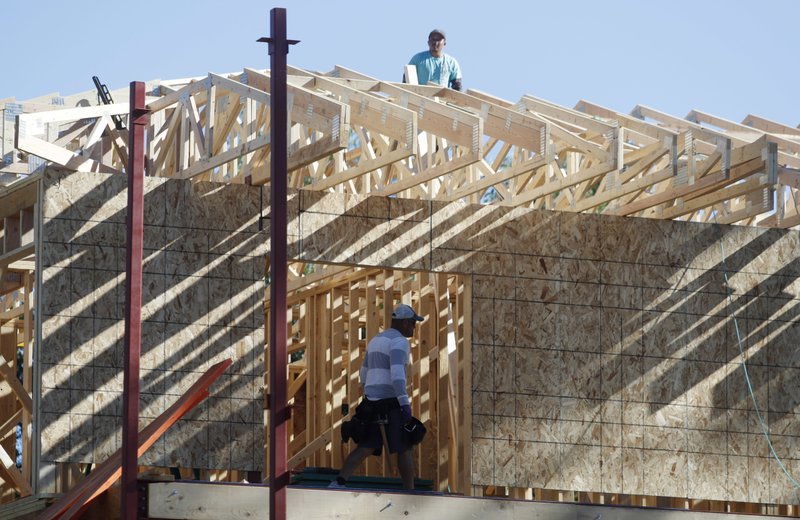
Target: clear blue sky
(728, 58)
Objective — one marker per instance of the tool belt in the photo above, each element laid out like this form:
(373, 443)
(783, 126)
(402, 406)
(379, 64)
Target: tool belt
(367, 412)
(372, 411)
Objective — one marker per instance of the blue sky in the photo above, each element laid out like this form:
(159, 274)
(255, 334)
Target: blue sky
(728, 58)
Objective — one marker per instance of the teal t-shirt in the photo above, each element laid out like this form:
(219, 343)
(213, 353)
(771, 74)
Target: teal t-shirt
(443, 70)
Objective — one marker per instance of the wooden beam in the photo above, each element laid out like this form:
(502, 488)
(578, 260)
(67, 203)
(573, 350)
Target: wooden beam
(10, 314)
(567, 115)
(502, 122)
(10, 473)
(11, 423)
(7, 373)
(18, 196)
(624, 189)
(364, 166)
(682, 125)
(765, 125)
(494, 179)
(707, 184)
(427, 175)
(373, 112)
(561, 183)
(308, 108)
(15, 255)
(298, 382)
(321, 440)
(175, 96)
(456, 125)
(72, 503)
(757, 182)
(642, 127)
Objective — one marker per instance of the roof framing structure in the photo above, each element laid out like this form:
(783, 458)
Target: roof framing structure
(355, 134)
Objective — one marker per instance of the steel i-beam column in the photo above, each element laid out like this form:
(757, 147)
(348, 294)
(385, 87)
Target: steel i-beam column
(133, 300)
(278, 409)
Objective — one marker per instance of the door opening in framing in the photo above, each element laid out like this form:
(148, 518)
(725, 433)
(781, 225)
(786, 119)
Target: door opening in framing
(332, 311)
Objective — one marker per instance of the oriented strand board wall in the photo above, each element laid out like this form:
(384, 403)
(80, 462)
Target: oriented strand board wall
(202, 302)
(605, 356)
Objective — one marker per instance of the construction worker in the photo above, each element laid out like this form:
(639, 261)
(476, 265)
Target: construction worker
(434, 67)
(385, 406)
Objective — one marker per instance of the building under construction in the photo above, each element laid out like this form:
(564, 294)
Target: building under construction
(612, 300)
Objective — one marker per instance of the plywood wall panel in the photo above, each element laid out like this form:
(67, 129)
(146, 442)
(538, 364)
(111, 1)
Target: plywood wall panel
(581, 466)
(82, 432)
(662, 242)
(784, 352)
(539, 233)
(404, 245)
(701, 246)
(483, 321)
(581, 236)
(538, 467)
(619, 245)
(536, 324)
(707, 474)
(505, 460)
(483, 461)
(760, 472)
(611, 470)
(183, 330)
(414, 210)
(605, 350)
(504, 368)
(505, 320)
(782, 489)
(585, 378)
(578, 328)
(537, 267)
(533, 429)
(495, 229)
(539, 371)
(579, 293)
(493, 263)
(107, 437)
(704, 384)
(610, 375)
(665, 473)
(483, 376)
(450, 226)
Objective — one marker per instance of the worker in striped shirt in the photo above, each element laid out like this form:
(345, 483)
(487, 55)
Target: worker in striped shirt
(383, 378)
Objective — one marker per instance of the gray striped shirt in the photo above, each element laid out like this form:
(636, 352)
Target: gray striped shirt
(383, 372)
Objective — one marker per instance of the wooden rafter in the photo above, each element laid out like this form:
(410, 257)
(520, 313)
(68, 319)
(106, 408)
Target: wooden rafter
(354, 133)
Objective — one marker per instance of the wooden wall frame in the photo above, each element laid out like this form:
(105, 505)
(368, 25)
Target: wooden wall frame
(331, 319)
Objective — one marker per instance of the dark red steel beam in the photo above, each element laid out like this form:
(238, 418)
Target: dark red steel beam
(134, 224)
(278, 409)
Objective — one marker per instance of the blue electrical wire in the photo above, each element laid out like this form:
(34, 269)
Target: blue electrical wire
(764, 428)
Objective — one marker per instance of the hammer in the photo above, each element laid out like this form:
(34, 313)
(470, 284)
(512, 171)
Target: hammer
(382, 421)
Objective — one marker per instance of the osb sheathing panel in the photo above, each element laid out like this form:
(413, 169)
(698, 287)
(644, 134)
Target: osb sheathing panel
(605, 355)
(624, 347)
(202, 300)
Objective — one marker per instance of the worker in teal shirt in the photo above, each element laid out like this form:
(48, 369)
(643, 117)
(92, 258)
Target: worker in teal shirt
(434, 66)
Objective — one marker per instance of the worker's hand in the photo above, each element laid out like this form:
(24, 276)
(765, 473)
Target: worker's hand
(406, 410)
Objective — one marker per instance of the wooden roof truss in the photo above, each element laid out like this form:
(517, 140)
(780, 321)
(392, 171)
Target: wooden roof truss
(350, 133)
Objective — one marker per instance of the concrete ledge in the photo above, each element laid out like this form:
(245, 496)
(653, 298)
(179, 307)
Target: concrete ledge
(219, 501)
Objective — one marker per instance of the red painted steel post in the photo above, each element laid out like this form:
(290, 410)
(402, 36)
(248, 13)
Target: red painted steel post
(133, 300)
(278, 356)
